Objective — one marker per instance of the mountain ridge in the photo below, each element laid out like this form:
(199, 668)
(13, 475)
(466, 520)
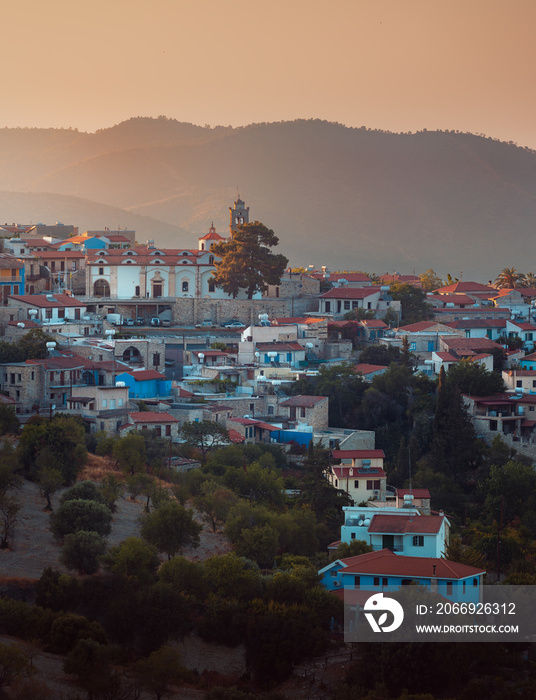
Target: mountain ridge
(339, 196)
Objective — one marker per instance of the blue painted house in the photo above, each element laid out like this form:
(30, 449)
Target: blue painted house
(384, 570)
(11, 276)
(146, 384)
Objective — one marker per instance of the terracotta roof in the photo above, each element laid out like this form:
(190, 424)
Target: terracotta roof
(373, 323)
(349, 277)
(456, 299)
(418, 327)
(26, 323)
(256, 423)
(524, 326)
(145, 374)
(470, 343)
(303, 401)
(447, 357)
(152, 417)
(465, 288)
(234, 436)
(350, 292)
(358, 454)
(477, 323)
(418, 493)
(401, 524)
(364, 368)
(184, 394)
(9, 262)
(293, 320)
(211, 235)
(281, 347)
(387, 563)
(41, 301)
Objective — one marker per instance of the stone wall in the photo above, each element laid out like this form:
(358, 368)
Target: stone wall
(189, 311)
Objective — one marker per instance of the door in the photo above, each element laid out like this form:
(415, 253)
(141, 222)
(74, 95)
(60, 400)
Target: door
(388, 542)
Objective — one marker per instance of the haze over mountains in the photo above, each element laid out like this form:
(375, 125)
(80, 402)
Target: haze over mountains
(336, 196)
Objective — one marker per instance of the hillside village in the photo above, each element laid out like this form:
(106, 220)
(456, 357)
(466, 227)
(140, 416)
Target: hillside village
(390, 419)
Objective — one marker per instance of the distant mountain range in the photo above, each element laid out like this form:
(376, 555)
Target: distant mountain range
(336, 196)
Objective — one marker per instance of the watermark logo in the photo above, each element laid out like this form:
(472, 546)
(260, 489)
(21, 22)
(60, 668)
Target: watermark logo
(379, 603)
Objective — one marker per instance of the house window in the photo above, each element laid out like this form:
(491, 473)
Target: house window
(384, 582)
(449, 587)
(120, 402)
(211, 260)
(137, 291)
(357, 581)
(303, 412)
(33, 375)
(475, 582)
(185, 286)
(352, 536)
(347, 305)
(493, 425)
(519, 382)
(156, 359)
(376, 581)
(158, 431)
(211, 286)
(336, 483)
(168, 430)
(418, 541)
(413, 346)
(104, 403)
(333, 573)
(463, 587)
(101, 270)
(356, 484)
(328, 306)
(48, 313)
(271, 410)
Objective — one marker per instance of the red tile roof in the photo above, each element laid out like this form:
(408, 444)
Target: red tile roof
(358, 454)
(278, 347)
(350, 292)
(145, 374)
(373, 323)
(234, 436)
(456, 299)
(418, 326)
(349, 277)
(364, 368)
(293, 320)
(401, 524)
(418, 493)
(465, 288)
(303, 401)
(41, 301)
(387, 563)
(470, 343)
(152, 417)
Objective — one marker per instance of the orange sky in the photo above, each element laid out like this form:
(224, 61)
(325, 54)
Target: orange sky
(401, 65)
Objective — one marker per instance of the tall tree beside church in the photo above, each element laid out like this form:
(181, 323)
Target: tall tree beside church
(453, 448)
(246, 261)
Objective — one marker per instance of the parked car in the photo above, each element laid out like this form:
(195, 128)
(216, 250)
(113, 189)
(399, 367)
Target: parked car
(165, 322)
(140, 321)
(207, 323)
(155, 321)
(235, 323)
(129, 322)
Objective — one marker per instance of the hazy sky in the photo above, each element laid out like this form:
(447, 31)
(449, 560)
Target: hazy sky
(401, 65)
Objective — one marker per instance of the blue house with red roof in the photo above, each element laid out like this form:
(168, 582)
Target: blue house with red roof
(146, 384)
(384, 570)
